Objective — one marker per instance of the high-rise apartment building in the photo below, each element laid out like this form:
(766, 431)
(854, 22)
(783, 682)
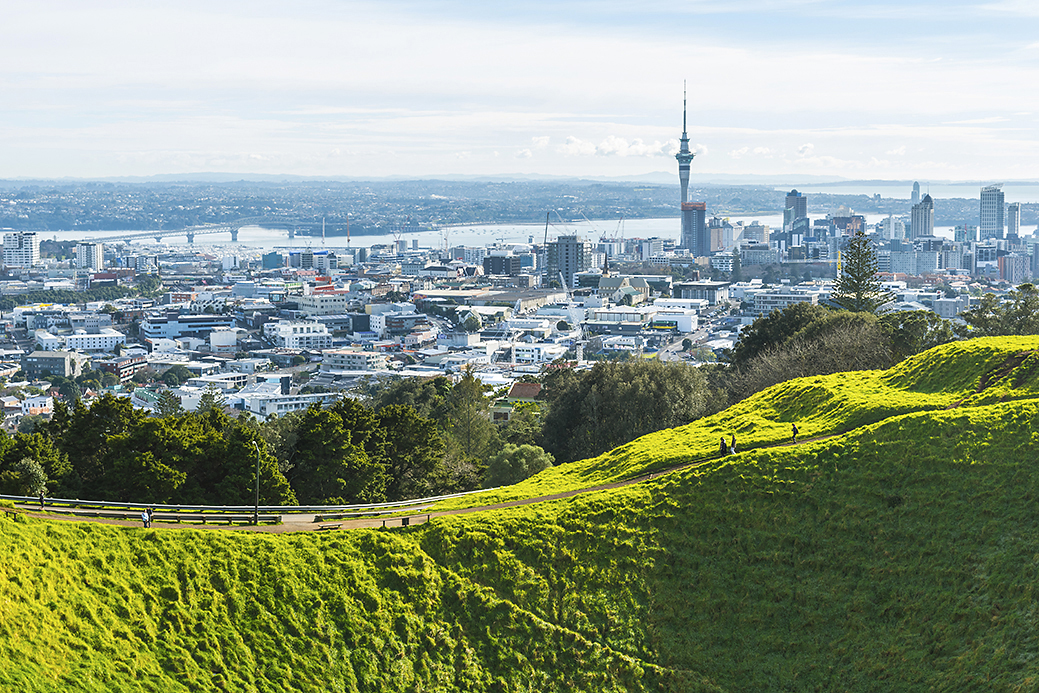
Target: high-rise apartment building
(922, 219)
(568, 255)
(21, 249)
(991, 212)
(915, 199)
(1014, 220)
(90, 256)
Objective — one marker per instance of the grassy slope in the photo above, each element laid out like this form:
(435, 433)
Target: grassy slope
(899, 555)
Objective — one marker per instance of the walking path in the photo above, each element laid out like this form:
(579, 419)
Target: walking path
(307, 522)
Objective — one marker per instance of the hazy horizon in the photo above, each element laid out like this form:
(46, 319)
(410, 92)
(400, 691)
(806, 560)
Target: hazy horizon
(788, 89)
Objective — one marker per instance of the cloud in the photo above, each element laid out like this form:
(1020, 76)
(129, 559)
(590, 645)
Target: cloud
(897, 151)
(524, 154)
(577, 147)
(464, 155)
(540, 142)
(805, 149)
(762, 151)
(737, 153)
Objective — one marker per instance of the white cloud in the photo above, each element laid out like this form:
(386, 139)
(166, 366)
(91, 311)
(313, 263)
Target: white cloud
(897, 151)
(524, 154)
(737, 153)
(577, 147)
(540, 142)
(762, 151)
(805, 149)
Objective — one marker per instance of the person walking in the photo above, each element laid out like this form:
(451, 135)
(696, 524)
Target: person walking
(723, 450)
(146, 519)
(793, 427)
(151, 516)
(41, 501)
(732, 445)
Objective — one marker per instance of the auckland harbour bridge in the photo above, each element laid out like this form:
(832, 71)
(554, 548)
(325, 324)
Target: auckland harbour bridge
(232, 228)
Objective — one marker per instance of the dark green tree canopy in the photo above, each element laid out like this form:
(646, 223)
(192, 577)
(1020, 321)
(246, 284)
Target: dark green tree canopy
(858, 286)
(1015, 313)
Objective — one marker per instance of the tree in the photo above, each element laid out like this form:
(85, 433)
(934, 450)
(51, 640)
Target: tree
(594, 411)
(168, 404)
(737, 266)
(212, 398)
(858, 286)
(563, 326)
(109, 380)
(1016, 313)
(177, 375)
(773, 330)
(514, 463)
(414, 451)
(473, 323)
(687, 344)
(468, 416)
(913, 331)
(523, 426)
(840, 341)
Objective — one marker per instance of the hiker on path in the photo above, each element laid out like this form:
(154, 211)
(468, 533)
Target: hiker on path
(151, 515)
(41, 501)
(724, 450)
(145, 519)
(732, 446)
(793, 427)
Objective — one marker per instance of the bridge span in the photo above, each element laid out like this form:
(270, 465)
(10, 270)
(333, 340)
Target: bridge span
(205, 230)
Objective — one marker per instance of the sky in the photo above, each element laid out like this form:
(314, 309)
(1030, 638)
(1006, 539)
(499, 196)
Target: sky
(930, 90)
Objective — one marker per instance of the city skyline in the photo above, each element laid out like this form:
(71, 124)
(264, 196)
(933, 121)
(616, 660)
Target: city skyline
(875, 90)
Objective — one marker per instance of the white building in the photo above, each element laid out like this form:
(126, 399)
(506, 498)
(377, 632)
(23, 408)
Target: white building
(32, 406)
(21, 249)
(104, 340)
(324, 303)
(298, 335)
(352, 360)
(90, 256)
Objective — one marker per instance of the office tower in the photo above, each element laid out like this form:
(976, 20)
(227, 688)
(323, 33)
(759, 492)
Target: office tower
(965, 234)
(1014, 220)
(916, 194)
(922, 218)
(568, 255)
(992, 212)
(796, 207)
(685, 156)
(696, 236)
(90, 256)
(21, 249)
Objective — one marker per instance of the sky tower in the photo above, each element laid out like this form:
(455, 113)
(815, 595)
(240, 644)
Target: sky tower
(693, 215)
(684, 156)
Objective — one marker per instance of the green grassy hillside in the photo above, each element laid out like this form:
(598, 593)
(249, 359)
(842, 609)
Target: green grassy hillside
(897, 552)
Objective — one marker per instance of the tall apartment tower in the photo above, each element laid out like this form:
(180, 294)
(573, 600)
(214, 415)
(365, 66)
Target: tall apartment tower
(923, 218)
(21, 249)
(696, 235)
(992, 212)
(684, 157)
(568, 255)
(916, 194)
(796, 208)
(1014, 220)
(90, 256)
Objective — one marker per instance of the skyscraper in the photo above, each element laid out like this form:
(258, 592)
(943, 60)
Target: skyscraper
(1014, 220)
(696, 236)
(923, 218)
(916, 194)
(796, 207)
(991, 212)
(568, 255)
(685, 156)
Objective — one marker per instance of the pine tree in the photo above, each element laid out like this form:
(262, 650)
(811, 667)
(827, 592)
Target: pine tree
(858, 287)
